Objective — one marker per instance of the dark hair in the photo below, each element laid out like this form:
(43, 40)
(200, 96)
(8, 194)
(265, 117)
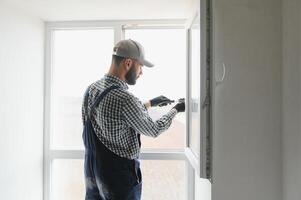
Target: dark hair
(116, 60)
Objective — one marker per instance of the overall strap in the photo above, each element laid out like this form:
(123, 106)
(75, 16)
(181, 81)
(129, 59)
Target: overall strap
(100, 97)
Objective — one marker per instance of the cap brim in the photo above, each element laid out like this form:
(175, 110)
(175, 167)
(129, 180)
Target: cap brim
(147, 63)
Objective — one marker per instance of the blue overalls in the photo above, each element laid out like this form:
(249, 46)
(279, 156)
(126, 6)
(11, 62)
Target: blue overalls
(108, 176)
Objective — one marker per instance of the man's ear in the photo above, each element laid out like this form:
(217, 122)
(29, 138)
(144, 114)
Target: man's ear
(128, 63)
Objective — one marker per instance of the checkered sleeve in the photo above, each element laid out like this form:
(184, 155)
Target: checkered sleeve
(137, 116)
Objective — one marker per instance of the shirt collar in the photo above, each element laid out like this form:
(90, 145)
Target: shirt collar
(114, 80)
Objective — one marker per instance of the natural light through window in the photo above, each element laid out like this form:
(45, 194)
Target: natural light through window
(80, 57)
(166, 48)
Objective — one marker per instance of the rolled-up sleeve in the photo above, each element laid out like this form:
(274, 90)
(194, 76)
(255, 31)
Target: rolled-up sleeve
(137, 117)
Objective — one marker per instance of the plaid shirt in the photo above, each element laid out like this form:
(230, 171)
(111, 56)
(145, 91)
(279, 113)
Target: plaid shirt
(120, 117)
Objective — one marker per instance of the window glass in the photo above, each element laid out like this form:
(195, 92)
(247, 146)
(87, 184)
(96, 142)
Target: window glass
(166, 48)
(67, 180)
(163, 179)
(80, 57)
(195, 82)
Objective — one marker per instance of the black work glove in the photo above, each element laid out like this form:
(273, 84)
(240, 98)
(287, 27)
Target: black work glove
(180, 107)
(160, 101)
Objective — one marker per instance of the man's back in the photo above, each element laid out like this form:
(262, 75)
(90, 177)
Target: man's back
(108, 120)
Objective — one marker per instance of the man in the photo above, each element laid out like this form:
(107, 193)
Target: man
(113, 120)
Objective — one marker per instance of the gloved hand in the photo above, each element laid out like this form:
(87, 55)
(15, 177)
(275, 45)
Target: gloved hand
(160, 101)
(180, 107)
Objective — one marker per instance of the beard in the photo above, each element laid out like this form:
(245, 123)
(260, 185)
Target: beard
(130, 76)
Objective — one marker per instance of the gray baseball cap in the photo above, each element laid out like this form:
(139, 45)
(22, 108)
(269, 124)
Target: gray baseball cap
(131, 49)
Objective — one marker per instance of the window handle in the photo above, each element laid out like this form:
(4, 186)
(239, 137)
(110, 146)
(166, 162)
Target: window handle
(219, 81)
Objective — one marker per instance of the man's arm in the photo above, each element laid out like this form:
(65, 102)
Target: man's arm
(138, 118)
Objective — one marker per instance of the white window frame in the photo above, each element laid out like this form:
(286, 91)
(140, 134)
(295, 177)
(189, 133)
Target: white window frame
(119, 27)
(202, 164)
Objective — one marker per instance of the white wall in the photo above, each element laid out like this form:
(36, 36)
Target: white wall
(21, 105)
(247, 136)
(291, 100)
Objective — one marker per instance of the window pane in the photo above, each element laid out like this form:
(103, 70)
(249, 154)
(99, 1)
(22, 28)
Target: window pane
(195, 81)
(79, 58)
(67, 181)
(166, 48)
(162, 180)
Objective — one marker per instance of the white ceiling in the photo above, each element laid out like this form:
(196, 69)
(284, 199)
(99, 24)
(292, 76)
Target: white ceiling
(65, 10)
